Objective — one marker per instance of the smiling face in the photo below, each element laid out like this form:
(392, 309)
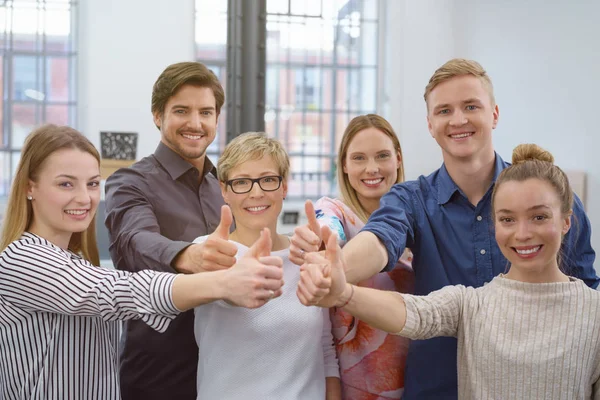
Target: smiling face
(189, 122)
(461, 117)
(371, 164)
(65, 195)
(529, 226)
(258, 208)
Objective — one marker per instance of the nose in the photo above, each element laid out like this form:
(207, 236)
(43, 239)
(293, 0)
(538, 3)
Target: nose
(83, 195)
(195, 121)
(372, 166)
(256, 191)
(458, 118)
(523, 233)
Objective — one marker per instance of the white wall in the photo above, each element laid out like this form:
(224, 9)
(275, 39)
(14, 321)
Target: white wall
(543, 57)
(123, 46)
(420, 37)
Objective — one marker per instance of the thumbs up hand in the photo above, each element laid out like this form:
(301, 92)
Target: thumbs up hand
(216, 253)
(322, 277)
(257, 277)
(306, 238)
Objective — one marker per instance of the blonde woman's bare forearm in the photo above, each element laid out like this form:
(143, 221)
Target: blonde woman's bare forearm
(364, 256)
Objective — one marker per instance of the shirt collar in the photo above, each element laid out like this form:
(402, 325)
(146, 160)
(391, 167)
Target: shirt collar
(177, 166)
(446, 186)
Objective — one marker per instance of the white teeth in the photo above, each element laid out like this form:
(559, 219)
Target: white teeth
(462, 135)
(530, 251)
(256, 209)
(192, 137)
(372, 181)
(76, 212)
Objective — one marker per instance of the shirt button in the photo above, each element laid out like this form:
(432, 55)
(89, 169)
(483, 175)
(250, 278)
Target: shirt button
(482, 251)
(479, 218)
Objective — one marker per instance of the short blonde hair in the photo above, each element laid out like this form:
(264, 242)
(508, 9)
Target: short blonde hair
(252, 146)
(460, 67)
(360, 123)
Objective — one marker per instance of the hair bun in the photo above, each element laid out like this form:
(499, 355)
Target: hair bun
(531, 152)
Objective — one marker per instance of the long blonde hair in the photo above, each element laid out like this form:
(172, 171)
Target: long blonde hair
(362, 122)
(39, 145)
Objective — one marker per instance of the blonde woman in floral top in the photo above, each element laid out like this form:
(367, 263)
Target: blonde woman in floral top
(369, 162)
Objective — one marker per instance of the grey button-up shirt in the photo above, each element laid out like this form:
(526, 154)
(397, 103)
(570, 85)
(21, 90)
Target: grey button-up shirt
(154, 209)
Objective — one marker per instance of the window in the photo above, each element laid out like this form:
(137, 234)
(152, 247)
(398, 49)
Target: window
(322, 58)
(321, 71)
(38, 57)
(211, 50)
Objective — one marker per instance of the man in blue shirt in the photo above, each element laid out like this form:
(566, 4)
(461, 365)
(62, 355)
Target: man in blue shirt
(446, 219)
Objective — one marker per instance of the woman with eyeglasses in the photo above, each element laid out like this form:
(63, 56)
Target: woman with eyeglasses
(281, 350)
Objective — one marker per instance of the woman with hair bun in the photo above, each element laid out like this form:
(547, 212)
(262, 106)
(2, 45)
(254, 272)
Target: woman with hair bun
(531, 333)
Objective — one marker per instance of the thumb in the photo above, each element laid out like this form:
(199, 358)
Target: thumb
(262, 247)
(222, 230)
(311, 215)
(332, 250)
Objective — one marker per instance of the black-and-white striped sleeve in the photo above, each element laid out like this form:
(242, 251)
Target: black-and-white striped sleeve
(58, 313)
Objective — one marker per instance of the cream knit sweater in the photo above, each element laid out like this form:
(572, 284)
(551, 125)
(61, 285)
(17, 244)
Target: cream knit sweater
(516, 340)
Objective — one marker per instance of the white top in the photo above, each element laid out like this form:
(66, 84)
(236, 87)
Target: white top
(282, 350)
(516, 340)
(58, 330)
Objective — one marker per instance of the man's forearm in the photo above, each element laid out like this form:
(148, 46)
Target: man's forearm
(365, 256)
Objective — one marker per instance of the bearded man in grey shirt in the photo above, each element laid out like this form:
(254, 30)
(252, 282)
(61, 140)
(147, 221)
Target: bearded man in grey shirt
(154, 210)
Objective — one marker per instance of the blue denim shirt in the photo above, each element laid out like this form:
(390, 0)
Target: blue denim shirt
(453, 243)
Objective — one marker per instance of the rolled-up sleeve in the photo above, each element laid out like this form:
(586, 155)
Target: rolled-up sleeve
(577, 251)
(43, 278)
(393, 223)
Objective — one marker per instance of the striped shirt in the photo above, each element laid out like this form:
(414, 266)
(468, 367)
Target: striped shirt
(58, 320)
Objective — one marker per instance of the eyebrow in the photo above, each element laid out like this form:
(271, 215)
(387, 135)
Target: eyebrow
(75, 178)
(467, 101)
(534, 208)
(268, 173)
(207, 108)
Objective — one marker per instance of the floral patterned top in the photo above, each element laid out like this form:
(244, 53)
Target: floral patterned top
(371, 361)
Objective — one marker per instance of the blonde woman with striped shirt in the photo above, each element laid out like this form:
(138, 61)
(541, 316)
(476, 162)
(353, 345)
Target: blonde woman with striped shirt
(58, 311)
(531, 333)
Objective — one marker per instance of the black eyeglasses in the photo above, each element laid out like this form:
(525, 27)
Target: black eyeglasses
(244, 185)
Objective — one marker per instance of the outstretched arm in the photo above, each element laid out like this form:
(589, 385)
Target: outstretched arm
(323, 283)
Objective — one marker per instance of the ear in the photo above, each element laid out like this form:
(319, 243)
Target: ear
(496, 114)
(567, 223)
(224, 192)
(344, 168)
(284, 184)
(157, 117)
(30, 188)
(398, 157)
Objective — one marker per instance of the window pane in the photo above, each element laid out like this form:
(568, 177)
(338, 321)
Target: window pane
(57, 79)
(211, 30)
(57, 26)
(25, 23)
(58, 115)
(24, 120)
(26, 78)
(5, 177)
(277, 6)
